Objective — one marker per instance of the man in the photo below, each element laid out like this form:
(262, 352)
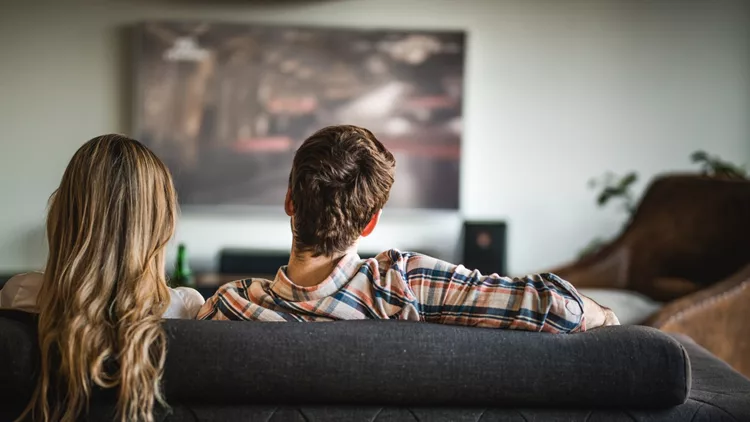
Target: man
(340, 180)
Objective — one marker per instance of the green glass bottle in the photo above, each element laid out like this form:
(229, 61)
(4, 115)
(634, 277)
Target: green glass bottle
(182, 276)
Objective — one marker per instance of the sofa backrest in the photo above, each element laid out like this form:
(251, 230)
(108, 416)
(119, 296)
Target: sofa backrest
(19, 356)
(395, 363)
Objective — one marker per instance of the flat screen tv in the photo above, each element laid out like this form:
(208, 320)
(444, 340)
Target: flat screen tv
(226, 105)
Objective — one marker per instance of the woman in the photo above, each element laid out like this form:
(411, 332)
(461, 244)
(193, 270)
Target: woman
(103, 292)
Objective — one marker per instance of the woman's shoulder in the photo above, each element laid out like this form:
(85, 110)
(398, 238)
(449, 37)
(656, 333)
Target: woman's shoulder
(185, 303)
(21, 291)
(30, 277)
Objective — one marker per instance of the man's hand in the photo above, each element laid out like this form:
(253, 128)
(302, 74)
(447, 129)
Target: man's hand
(597, 315)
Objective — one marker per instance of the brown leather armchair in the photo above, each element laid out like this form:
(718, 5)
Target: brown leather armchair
(718, 318)
(688, 243)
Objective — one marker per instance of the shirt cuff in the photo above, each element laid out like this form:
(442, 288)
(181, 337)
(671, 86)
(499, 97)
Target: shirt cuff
(573, 301)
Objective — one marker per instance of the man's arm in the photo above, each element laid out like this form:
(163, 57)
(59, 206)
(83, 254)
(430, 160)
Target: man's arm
(209, 309)
(222, 305)
(597, 315)
(453, 294)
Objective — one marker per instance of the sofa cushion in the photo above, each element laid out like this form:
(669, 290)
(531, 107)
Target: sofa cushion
(402, 363)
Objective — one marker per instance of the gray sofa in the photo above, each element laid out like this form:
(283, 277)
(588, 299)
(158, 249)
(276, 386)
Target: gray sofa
(401, 371)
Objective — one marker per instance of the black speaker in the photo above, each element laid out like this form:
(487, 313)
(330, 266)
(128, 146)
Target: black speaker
(257, 262)
(484, 246)
(249, 261)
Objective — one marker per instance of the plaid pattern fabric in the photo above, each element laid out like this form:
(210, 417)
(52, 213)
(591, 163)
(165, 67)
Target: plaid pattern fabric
(408, 286)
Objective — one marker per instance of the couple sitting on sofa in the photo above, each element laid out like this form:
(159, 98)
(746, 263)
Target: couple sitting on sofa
(104, 292)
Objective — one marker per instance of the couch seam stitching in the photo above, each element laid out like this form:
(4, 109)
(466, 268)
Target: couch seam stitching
(273, 412)
(522, 416)
(588, 416)
(630, 415)
(697, 410)
(481, 415)
(414, 415)
(715, 407)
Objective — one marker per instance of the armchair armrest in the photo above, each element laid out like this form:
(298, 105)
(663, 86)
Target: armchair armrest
(717, 318)
(611, 267)
(607, 268)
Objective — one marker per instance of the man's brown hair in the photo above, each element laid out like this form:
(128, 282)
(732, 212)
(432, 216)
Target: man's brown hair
(341, 177)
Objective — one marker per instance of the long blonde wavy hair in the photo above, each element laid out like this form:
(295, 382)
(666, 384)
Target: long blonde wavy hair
(104, 290)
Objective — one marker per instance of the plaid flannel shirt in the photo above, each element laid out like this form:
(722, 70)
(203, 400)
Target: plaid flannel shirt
(407, 286)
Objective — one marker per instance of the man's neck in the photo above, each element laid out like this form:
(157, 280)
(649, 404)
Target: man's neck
(306, 270)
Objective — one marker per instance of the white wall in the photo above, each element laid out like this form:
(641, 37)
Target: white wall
(556, 92)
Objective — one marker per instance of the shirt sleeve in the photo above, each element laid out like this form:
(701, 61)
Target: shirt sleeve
(453, 294)
(225, 305)
(209, 309)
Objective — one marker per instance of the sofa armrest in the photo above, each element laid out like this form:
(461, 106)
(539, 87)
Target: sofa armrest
(716, 318)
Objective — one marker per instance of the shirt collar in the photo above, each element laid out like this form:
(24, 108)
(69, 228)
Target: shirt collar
(345, 270)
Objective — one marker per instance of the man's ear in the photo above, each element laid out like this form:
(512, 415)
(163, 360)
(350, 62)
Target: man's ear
(288, 206)
(371, 225)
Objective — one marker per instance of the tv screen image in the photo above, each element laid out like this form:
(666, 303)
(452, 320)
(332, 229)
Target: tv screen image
(226, 105)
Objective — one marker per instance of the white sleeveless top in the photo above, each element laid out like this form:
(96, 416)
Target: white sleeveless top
(21, 291)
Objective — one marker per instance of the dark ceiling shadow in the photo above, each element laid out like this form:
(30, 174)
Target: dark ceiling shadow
(280, 3)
